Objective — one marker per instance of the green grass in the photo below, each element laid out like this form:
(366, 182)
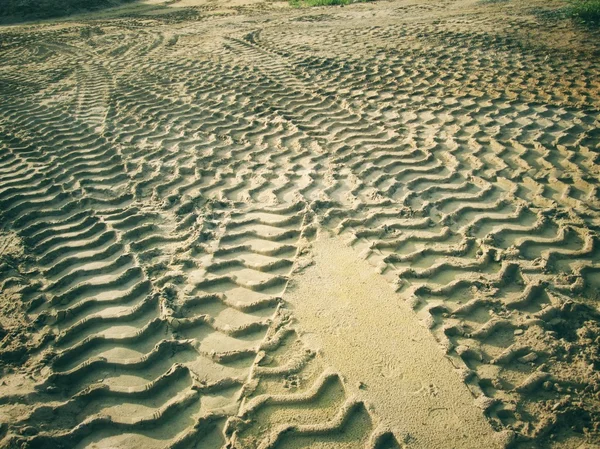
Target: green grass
(587, 11)
(309, 3)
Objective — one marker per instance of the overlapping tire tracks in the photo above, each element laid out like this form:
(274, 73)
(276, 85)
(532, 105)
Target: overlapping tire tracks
(166, 183)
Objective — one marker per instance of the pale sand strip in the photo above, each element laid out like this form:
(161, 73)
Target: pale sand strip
(363, 329)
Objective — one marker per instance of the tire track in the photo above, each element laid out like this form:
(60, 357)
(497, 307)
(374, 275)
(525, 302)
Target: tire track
(168, 181)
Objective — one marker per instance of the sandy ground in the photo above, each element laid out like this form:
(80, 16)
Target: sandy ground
(243, 225)
(354, 319)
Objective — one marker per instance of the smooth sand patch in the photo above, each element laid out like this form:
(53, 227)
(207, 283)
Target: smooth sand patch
(365, 330)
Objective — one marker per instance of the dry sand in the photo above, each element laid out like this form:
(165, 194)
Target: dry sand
(243, 225)
(363, 329)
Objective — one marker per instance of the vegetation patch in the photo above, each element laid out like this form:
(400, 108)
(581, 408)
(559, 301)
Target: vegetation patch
(587, 11)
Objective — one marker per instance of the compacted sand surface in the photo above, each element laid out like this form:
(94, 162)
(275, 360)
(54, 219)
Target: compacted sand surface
(244, 225)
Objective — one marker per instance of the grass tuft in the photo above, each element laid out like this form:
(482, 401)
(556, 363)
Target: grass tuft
(587, 11)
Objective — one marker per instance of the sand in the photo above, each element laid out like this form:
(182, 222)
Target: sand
(244, 225)
(363, 329)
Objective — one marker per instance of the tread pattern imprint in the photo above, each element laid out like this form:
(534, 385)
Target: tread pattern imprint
(161, 175)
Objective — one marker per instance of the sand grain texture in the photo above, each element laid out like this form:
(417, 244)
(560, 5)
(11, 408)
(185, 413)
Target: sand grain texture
(370, 335)
(169, 171)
